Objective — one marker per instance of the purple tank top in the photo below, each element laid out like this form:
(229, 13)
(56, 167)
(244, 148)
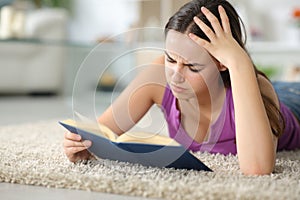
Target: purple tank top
(222, 136)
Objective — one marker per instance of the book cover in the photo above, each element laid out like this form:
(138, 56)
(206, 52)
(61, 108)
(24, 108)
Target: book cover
(147, 153)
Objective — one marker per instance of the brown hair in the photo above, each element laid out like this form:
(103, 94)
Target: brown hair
(182, 21)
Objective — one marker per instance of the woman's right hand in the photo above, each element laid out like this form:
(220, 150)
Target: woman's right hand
(76, 149)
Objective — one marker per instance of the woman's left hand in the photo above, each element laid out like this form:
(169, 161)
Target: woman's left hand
(222, 45)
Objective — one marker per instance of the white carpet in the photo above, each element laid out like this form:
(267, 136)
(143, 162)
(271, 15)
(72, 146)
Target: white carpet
(32, 154)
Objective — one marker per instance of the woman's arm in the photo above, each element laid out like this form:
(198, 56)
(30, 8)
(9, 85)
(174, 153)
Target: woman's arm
(268, 90)
(133, 103)
(256, 145)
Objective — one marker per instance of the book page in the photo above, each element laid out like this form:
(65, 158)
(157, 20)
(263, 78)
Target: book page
(147, 138)
(96, 129)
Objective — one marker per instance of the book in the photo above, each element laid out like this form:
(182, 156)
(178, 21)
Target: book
(136, 147)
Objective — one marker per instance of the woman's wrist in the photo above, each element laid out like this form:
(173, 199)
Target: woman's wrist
(240, 63)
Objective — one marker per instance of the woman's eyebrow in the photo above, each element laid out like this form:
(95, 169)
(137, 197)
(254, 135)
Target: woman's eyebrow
(187, 64)
(168, 55)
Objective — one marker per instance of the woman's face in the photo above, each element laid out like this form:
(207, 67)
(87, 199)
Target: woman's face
(190, 70)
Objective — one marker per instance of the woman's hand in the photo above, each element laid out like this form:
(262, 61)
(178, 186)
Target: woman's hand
(76, 149)
(222, 45)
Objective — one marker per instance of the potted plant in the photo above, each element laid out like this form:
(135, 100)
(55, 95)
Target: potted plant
(52, 3)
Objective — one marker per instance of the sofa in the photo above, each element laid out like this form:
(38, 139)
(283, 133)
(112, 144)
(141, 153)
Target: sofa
(35, 62)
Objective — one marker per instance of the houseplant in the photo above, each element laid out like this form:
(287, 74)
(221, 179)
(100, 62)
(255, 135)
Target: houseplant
(53, 3)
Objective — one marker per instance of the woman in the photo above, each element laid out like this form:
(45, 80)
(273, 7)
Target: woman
(213, 97)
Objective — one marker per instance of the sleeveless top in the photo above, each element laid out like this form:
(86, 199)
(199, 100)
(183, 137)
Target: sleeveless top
(222, 137)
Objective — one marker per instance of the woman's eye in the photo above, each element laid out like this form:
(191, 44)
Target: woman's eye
(194, 69)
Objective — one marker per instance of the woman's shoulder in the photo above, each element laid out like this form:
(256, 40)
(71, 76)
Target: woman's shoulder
(154, 80)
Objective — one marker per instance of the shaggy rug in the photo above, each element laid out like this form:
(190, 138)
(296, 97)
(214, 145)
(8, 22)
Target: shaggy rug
(32, 154)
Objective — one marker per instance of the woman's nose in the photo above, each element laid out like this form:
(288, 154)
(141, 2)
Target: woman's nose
(178, 75)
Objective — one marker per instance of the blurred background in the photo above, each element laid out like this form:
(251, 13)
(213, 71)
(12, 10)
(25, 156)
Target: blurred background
(43, 43)
(57, 56)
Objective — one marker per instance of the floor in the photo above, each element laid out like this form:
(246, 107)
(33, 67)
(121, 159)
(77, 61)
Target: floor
(22, 109)
(15, 192)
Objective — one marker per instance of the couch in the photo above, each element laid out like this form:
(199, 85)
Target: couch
(35, 63)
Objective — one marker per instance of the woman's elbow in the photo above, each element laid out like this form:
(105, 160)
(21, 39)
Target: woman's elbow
(257, 171)
(258, 166)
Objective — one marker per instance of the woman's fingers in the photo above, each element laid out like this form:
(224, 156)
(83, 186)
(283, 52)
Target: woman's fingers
(218, 30)
(207, 31)
(200, 41)
(71, 143)
(225, 20)
(77, 153)
(72, 136)
(74, 150)
(78, 150)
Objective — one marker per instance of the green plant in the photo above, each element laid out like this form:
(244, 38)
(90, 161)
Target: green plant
(269, 70)
(53, 3)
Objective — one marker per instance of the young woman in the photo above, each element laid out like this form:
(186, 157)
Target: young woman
(213, 97)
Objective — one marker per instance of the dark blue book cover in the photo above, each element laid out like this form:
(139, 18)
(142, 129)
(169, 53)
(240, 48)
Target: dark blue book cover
(154, 155)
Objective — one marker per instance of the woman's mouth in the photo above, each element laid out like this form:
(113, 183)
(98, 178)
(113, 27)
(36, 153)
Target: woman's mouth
(177, 89)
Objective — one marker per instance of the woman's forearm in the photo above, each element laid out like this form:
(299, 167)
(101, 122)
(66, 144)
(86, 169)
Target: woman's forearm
(254, 136)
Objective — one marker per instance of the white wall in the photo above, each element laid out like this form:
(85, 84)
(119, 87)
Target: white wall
(272, 17)
(93, 19)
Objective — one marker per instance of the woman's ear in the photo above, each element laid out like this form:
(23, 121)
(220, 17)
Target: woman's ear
(222, 67)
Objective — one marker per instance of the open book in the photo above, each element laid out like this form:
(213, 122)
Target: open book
(140, 147)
